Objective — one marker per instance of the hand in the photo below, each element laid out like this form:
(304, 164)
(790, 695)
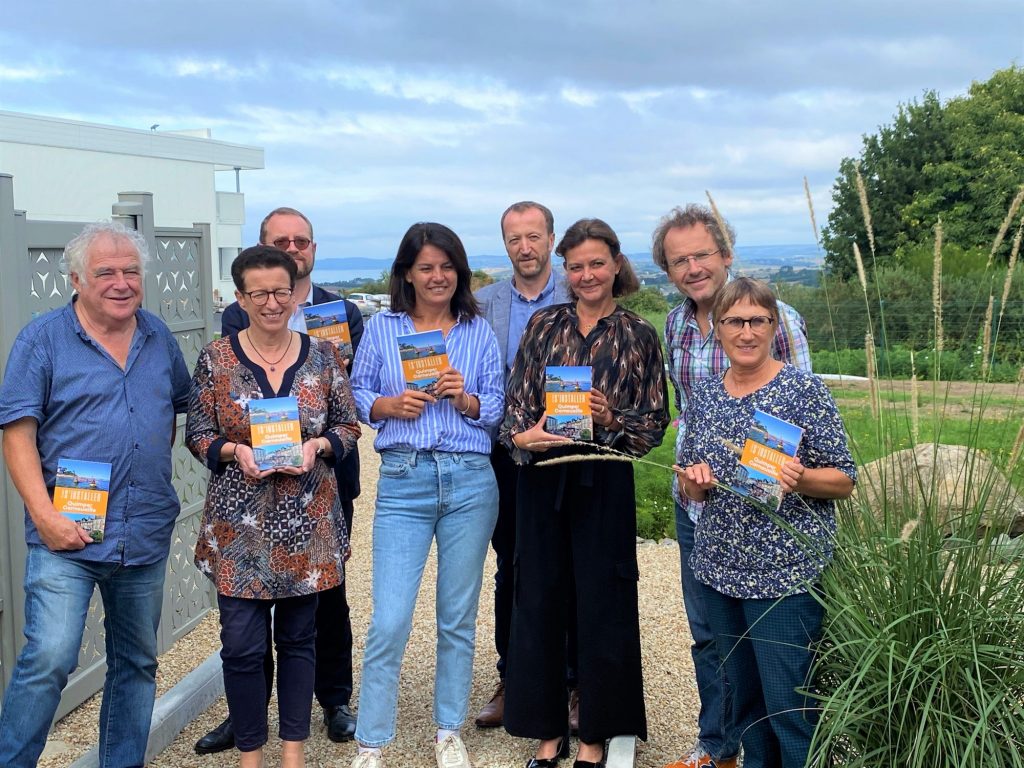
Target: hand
(451, 384)
(600, 411)
(408, 405)
(695, 480)
(247, 463)
(309, 449)
(59, 533)
(535, 438)
(790, 475)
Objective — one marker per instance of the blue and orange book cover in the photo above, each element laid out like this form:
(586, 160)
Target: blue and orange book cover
(330, 321)
(80, 493)
(276, 432)
(770, 443)
(424, 355)
(567, 401)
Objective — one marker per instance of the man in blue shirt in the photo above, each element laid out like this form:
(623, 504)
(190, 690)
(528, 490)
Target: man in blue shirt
(290, 231)
(98, 380)
(528, 232)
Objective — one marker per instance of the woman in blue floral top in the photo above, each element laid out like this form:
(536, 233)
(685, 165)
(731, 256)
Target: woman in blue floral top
(758, 567)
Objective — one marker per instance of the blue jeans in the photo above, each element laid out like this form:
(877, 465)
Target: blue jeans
(423, 496)
(57, 594)
(768, 644)
(716, 727)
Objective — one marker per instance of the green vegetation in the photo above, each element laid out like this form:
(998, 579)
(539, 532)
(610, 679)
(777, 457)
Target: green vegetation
(961, 160)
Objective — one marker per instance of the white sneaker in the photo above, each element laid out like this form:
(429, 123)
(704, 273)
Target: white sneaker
(451, 753)
(368, 760)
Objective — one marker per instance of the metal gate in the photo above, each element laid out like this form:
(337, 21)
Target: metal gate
(177, 289)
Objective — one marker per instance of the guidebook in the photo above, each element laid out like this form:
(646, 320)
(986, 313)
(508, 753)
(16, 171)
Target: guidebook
(567, 401)
(770, 443)
(424, 356)
(80, 493)
(276, 434)
(330, 321)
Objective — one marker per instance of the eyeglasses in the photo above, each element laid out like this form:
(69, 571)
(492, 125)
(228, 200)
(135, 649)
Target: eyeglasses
(697, 258)
(302, 243)
(757, 323)
(259, 298)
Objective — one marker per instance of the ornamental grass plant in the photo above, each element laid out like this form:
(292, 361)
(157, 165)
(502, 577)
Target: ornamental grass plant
(921, 664)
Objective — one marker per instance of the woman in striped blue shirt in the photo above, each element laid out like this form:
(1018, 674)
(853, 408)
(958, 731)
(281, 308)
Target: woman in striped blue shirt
(436, 483)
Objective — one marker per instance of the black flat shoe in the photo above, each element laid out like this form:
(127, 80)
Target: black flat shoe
(219, 739)
(340, 722)
(587, 764)
(551, 762)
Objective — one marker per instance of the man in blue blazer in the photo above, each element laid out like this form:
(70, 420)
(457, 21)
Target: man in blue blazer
(528, 232)
(290, 231)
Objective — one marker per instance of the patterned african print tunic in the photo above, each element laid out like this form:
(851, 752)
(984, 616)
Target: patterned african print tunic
(284, 535)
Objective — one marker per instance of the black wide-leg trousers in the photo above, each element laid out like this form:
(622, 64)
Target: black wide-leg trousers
(575, 529)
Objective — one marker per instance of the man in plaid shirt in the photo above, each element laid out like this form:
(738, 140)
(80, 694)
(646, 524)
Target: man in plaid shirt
(691, 247)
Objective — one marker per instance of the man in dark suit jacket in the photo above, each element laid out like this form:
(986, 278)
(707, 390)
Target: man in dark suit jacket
(290, 231)
(528, 232)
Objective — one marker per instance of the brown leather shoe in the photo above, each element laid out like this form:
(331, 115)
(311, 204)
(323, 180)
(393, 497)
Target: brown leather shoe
(493, 713)
(574, 711)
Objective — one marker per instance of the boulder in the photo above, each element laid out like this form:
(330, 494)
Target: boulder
(961, 478)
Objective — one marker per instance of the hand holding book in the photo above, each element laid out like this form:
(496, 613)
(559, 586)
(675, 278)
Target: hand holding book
(536, 438)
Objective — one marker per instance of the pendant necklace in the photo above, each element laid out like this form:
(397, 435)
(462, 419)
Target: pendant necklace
(271, 363)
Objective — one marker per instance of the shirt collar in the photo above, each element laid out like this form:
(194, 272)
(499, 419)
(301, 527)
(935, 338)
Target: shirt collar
(545, 291)
(142, 324)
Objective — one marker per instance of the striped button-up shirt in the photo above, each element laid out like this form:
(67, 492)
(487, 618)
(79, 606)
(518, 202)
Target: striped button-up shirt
(377, 372)
(693, 357)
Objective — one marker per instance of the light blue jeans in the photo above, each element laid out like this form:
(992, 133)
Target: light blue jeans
(57, 594)
(422, 496)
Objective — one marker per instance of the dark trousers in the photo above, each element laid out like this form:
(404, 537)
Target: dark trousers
(333, 681)
(506, 472)
(575, 536)
(244, 627)
(767, 646)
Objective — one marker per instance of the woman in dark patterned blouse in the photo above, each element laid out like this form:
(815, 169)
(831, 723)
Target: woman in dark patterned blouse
(270, 538)
(576, 522)
(757, 566)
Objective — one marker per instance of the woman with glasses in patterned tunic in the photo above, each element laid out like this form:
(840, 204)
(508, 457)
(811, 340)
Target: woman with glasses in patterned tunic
(576, 522)
(270, 538)
(756, 569)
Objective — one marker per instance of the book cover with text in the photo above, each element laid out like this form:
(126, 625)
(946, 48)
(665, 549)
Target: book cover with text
(330, 321)
(276, 433)
(770, 443)
(424, 355)
(80, 493)
(567, 401)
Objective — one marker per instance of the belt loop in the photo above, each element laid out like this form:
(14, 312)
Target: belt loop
(412, 457)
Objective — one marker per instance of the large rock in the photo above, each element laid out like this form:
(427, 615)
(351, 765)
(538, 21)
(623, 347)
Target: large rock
(961, 479)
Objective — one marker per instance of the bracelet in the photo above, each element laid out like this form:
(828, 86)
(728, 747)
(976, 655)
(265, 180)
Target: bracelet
(470, 399)
(233, 451)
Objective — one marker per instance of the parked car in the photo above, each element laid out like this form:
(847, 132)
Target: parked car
(365, 301)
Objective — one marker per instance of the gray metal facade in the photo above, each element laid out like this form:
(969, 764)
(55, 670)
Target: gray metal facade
(177, 289)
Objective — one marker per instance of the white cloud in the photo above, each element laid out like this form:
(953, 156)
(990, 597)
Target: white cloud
(216, 69)
(28, 73)
(480, 95)
(579, 96)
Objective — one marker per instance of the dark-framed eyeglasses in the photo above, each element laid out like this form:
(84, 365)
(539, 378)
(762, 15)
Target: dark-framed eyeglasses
(259, 298)
(757, 323)
(282, 243)
(696, 258)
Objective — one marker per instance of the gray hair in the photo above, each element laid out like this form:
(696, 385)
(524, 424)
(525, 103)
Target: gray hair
(690, 216)
(76, 252)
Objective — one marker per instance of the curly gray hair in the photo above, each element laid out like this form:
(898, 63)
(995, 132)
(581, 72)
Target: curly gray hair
(76, 252)
(690, 216)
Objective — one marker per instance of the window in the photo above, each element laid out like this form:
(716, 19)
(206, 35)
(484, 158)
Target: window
(227, 257)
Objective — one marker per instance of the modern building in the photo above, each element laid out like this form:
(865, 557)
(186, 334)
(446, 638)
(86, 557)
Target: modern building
(66, 170)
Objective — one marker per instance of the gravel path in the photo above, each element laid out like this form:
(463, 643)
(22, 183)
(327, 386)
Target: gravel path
(668, 671)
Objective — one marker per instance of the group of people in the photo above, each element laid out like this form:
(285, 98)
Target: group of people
(461, 464)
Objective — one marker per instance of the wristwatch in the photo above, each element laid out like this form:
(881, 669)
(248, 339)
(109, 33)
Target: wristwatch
(320, 450)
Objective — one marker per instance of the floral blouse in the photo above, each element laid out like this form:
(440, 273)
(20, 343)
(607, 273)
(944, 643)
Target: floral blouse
(284, 535)
(625, 353)
(740, 550)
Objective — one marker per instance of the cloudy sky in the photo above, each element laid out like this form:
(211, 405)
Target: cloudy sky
(376, 114)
